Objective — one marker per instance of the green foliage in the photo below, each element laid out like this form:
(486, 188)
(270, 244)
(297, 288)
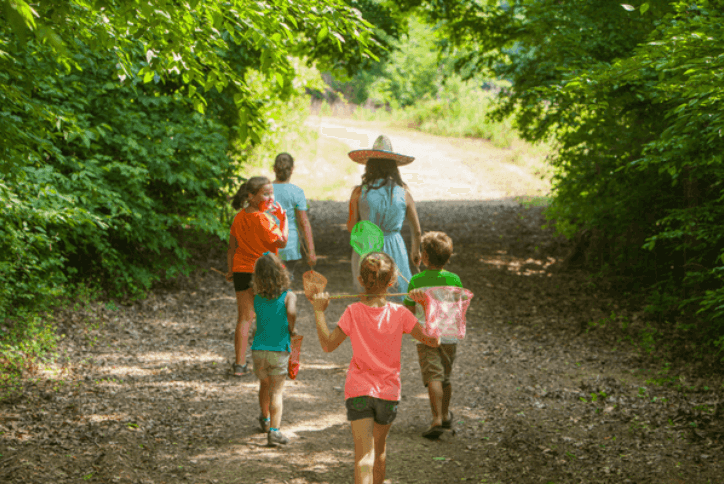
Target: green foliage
(633, 97)
(117, 120)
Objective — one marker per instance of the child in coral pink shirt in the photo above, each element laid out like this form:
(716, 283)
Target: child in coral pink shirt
(372, 389)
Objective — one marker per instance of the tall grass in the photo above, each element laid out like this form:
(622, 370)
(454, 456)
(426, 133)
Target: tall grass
(459, 110)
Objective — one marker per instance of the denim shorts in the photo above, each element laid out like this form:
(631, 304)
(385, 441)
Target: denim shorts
(382, 411)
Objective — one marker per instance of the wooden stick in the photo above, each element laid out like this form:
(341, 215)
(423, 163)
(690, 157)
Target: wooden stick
(345, 296)
(217, 270)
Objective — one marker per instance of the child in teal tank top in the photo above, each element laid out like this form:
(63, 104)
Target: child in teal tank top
(276, 313)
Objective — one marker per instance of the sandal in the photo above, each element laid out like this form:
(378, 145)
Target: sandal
(447, 424)
(239, 370)
(433, 432)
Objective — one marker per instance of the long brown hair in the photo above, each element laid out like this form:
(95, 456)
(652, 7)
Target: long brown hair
(270, 278)
(382, 169)
(249, 187)
(377, 269)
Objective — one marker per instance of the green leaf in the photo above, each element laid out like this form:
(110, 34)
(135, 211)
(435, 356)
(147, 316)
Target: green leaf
(322, 34)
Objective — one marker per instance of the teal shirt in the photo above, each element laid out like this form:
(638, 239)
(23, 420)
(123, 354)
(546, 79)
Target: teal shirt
(431, 278)
(291, 198)
(272, 326)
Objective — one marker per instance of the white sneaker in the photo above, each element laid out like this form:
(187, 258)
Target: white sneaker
(275, 437)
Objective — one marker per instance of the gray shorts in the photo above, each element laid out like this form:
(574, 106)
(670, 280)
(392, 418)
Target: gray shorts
(382, 411)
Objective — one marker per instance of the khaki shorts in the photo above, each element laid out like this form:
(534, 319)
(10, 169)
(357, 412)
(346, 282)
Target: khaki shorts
(436, 363)
(270, 363)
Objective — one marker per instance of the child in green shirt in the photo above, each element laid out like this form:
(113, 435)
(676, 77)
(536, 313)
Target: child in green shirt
(435, 363)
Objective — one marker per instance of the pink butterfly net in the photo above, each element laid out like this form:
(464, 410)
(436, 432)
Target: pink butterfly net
(445, 308)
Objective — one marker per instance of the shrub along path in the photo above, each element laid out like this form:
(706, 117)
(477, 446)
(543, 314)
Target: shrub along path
(552, 383)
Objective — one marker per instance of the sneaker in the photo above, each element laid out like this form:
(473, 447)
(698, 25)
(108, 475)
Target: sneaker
(264, 424)
(275, 437)
(239, 370)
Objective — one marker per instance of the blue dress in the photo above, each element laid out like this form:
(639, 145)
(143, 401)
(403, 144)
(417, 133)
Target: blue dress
(386, 207)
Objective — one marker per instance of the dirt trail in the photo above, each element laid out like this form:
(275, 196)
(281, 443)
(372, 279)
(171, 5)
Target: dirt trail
(541, 394)
(444, 168)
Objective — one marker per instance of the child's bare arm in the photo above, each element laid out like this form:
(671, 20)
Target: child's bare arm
(423, 338)
(291, 303)
(329, 342)
(415, 230)
(354, 208)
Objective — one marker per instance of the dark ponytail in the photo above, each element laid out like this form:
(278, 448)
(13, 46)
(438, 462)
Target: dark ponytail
(249, 187)
(283, 165)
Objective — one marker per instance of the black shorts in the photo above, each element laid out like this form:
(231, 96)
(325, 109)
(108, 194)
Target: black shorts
(242, 281)
(382, 411)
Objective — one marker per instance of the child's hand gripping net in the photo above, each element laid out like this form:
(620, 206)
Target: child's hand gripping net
(445, 308)
(314, 283)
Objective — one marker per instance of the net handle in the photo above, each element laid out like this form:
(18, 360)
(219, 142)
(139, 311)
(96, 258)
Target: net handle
(346, 296)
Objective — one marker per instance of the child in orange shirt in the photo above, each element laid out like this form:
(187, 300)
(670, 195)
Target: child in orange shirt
(253, 232)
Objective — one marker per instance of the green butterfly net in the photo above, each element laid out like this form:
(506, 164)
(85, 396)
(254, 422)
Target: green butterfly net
(367, 237)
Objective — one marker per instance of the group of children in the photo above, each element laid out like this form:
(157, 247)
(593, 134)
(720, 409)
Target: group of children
(374, 326)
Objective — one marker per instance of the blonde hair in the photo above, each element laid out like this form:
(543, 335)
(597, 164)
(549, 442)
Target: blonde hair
(377, 269)
(270, 278)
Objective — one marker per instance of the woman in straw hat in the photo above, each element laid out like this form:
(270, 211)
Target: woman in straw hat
(384, 199)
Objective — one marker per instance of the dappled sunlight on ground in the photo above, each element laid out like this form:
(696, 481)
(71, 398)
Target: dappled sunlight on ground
(520, 266)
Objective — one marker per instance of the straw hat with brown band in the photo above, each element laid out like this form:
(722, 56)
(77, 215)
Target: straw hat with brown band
(382, 148)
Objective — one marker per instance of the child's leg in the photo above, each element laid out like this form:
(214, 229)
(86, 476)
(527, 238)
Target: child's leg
(245, 306)
(446, 397)
(447, 354)
(435, 391)
(379, 433)
(264, 396)
(364, 450)
(276, 400)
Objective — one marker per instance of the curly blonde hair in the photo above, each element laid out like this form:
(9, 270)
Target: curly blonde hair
(270, 278)
(377, 269)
